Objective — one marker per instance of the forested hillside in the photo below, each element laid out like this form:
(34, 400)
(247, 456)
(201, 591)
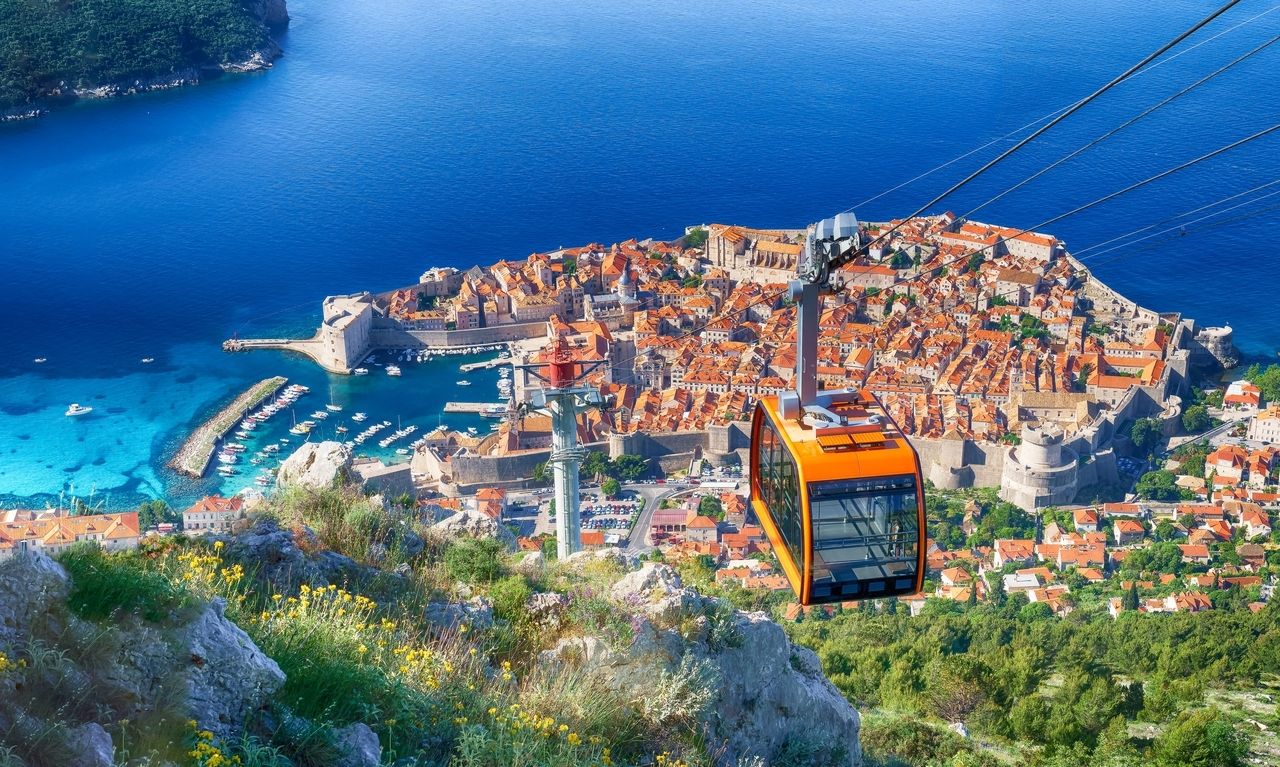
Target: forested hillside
(86, 43)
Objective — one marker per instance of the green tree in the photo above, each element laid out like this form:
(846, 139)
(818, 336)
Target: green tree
(1195, 418)
(1202, 738)
(1130, 600)
(710, 506)
(541, 473)
(629, 468)
(1158, 486)
(610, 487)
(595, 465)
(1145, 435)
(152, 513)
(975, 262)
(569, 267)
(692, 281)
(695, 238)
(1082, 380)
(956, 686)
(1266, 379)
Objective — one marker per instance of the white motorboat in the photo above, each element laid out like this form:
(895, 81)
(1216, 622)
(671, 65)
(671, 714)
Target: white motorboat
(464, 383)
(472, 430)
(40, 360)
(78, 409)
(393, 370)
(321, 414)
(358, 417)
(332, 408)
(341, 430)
(402, 451)
(360, 372)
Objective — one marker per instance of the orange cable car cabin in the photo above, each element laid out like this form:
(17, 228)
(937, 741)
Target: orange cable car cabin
(840, 497)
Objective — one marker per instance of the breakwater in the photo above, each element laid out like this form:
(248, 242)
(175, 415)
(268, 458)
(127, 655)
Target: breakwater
(193, 457)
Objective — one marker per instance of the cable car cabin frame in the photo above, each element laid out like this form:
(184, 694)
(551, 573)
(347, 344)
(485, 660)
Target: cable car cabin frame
(841, 498)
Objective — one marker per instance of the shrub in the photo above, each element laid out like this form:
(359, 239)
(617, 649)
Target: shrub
(474, 560)
(509, 596)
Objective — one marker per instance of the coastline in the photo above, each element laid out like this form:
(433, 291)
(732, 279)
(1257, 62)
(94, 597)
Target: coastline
(258, 60)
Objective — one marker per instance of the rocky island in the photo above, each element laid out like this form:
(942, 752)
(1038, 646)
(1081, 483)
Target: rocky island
(54, 53)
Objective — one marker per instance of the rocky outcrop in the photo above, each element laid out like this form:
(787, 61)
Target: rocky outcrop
(194, 662)
(316, 466)
(473, 524)
(272, 554)
(228, 676)
(762, 693)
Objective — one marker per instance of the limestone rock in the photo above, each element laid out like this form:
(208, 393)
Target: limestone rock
(228, 676)
(473, 524)
(771, 690)
(92, 746)
(476, 612)
(276, 559)
(29, 583)
(656, 590)
(533, 564)
(620, 557)
(316, 465)
(763, 690)
(358, 745)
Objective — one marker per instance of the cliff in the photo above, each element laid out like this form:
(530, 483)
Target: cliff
(54, 53)
(416, 644)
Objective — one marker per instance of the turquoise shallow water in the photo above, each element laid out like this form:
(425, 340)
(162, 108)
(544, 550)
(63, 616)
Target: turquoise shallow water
(399, 135)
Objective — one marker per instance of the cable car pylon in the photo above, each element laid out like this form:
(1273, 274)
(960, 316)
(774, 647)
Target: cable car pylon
(562, 398)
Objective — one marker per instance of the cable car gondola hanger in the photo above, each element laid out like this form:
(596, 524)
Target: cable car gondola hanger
(834, 482)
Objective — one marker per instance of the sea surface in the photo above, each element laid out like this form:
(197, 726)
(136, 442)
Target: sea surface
(399, 135)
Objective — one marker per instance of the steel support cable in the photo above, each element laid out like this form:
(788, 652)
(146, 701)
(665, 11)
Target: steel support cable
(1077, 106)
(1146, 112)
(1077, 254)
(1054, 113)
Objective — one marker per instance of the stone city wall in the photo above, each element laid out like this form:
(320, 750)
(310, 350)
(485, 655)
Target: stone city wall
(385, 336)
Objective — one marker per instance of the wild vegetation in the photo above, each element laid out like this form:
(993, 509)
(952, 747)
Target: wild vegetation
(391, 643)
(1084, 690)
(85, 43)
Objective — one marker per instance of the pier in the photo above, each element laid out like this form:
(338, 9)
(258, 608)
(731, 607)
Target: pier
(496, 362)
(471, 407)
(193, 457)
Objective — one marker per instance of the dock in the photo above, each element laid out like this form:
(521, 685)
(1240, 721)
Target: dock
(192, 459)
(472, 407)
(496, 362)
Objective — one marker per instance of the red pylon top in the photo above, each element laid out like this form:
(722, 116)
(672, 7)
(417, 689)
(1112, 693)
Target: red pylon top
(562, 369)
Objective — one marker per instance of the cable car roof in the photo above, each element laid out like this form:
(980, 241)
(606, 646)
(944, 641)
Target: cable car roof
(878, 450)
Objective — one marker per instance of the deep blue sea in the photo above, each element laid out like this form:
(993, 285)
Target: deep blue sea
(403, 134)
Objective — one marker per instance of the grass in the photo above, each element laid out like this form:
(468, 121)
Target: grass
(104, 585)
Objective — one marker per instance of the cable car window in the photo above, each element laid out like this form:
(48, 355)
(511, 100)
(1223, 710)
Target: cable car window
(779, 487)
(865, 535)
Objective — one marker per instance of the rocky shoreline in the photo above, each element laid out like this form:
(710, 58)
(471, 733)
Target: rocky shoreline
(272, 14)
(261, 59)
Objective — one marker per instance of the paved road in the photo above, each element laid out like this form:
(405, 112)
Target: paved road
(1211, 435)
(653, 496)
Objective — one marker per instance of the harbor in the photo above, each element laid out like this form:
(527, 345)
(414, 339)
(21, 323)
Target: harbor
(467, 367)
(193, 458)
(474, 407)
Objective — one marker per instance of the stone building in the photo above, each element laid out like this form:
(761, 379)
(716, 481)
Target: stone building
(344, 330)
(1040, 471)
